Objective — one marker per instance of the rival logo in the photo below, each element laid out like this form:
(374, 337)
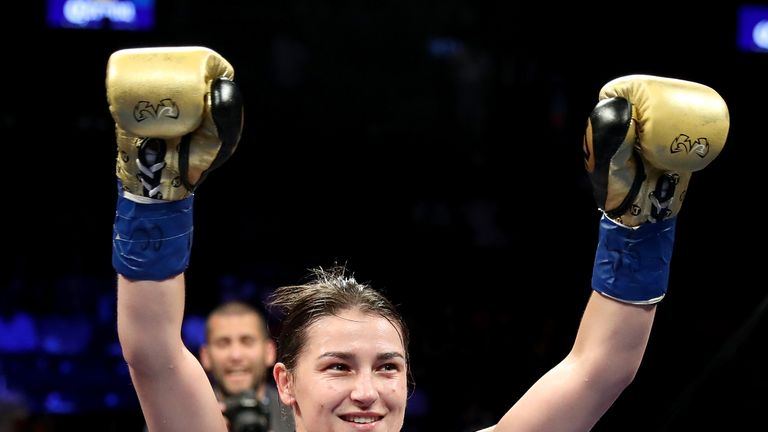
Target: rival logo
(145, 110)
(683, 143)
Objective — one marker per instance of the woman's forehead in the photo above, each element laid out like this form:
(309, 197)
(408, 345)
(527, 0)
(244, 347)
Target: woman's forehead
(351, 329)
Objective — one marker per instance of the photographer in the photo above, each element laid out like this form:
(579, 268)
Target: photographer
(237, 354)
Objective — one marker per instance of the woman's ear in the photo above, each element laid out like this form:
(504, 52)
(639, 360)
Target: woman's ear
(284, 382)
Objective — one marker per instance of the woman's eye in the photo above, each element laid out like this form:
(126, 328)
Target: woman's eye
(390, 367)
(338, 367)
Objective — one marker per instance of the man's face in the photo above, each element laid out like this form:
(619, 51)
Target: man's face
(238, 352)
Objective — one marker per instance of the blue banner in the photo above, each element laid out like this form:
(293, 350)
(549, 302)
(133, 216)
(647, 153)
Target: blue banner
(753, 29)
(102, 14)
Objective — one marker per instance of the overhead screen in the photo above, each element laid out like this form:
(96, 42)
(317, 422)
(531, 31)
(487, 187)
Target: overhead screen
(752, 30)
(127, 15)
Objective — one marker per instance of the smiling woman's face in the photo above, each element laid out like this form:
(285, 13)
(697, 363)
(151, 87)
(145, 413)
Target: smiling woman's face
(351, 376)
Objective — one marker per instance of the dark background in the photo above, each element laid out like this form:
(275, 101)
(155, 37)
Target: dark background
(451, 180)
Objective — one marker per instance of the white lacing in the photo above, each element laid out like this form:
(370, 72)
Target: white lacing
(151, 172)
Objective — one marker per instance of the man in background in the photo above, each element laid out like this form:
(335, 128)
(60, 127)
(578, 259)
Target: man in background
(238, 355)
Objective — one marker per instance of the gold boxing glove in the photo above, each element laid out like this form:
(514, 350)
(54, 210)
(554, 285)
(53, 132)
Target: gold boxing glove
(178, 115)
(644, 138)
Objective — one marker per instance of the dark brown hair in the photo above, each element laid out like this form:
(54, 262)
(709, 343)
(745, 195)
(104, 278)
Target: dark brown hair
(327, 293)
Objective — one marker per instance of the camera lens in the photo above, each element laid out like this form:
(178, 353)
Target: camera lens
(249, 421)
(246, 413)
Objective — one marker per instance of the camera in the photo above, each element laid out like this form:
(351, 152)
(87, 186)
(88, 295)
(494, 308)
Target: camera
(246, 413)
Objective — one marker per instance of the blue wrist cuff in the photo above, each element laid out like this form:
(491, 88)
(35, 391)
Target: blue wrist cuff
(632, 264)
(151, 241)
